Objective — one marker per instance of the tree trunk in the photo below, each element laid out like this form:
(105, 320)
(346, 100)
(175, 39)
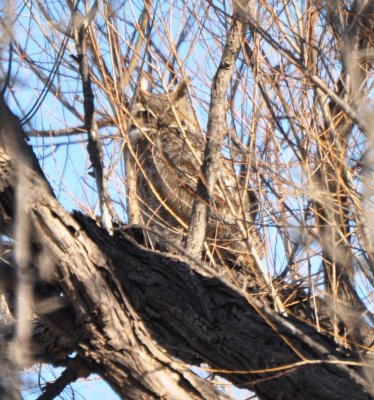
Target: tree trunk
(136, 312)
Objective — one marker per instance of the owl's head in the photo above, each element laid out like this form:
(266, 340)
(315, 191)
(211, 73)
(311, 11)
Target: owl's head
(154, 112)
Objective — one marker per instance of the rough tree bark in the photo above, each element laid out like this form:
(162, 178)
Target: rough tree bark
(134, 312)
(216, 133)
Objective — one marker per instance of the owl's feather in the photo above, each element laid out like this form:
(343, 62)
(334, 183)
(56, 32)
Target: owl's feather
(169, 147)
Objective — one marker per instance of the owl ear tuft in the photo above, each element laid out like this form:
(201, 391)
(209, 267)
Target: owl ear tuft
(180, 91)
(143, 93)
(143, 84)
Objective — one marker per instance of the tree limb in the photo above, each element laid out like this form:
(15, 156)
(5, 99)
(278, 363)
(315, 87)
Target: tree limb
(215, 135)
(136, 309)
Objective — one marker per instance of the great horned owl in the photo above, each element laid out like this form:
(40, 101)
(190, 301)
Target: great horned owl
(169, 146)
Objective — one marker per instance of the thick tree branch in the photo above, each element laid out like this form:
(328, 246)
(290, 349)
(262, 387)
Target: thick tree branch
(110, 335)
(129, 303)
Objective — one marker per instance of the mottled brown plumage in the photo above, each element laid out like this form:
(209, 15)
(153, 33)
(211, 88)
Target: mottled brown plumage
(169, 147)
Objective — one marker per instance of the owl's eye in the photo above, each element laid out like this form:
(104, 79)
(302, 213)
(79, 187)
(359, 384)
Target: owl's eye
(143, 114)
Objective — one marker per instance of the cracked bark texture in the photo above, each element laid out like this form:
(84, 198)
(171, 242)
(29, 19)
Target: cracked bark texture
(134, 312)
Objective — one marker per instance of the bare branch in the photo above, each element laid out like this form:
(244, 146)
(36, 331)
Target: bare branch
(94, 144)
(215, 135)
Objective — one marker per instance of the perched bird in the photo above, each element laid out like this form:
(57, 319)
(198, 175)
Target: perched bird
(168, 145)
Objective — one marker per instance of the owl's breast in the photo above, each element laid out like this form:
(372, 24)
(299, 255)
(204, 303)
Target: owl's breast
(177, 170)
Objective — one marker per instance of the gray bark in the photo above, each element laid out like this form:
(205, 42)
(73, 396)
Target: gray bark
(134, 312)
(216, 133)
